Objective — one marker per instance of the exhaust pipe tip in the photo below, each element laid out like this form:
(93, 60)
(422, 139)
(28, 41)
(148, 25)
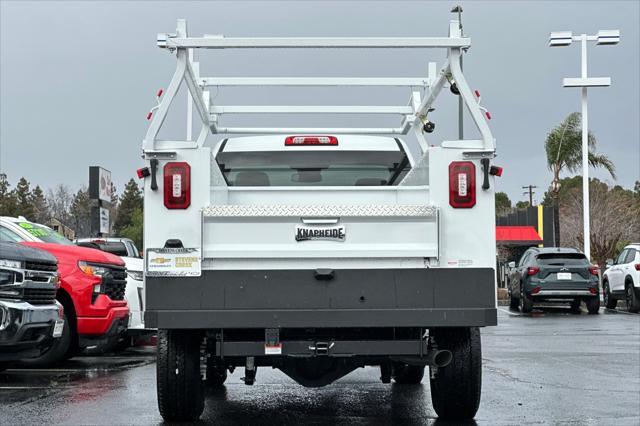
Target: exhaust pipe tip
(442, 358)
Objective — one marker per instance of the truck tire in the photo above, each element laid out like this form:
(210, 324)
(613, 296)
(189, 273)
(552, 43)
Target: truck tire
(405, 374)
(179, 385)
(526, 304)
(609, 302)
(633, 301)
(593, 305)
(60, 349)
(456, 388)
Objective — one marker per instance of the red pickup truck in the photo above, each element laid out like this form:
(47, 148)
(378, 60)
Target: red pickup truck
(92, 288)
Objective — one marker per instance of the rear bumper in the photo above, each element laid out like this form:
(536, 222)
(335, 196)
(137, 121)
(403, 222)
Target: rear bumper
(564, 293)
(436, 297)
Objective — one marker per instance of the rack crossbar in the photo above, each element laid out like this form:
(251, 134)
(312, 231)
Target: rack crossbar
(309, 109)
(315, 81)
(218, 42)
(311, 130)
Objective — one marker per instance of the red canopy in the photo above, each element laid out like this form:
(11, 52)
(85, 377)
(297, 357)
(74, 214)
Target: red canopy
(517, 235)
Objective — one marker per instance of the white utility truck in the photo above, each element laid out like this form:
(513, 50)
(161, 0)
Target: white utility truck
(319, 250)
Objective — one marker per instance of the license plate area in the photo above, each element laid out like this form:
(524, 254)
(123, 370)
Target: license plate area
(174, 262)
(563, 276)
(58, 328)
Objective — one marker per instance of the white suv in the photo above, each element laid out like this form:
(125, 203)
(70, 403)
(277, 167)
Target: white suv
(621, 280)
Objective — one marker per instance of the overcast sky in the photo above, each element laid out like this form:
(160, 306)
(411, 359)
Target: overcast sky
(78, 78)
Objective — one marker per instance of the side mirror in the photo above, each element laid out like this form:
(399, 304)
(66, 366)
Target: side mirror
(511, 265)
(609, 262)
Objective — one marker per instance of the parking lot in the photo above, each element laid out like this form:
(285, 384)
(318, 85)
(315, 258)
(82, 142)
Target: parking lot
(551, 367)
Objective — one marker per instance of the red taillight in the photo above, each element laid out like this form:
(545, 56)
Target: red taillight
(532, 270)
(535, 290)
(177, 185)
(593, 291)
(637, 266)
(594, 270)
(310, 140)
(462, 184)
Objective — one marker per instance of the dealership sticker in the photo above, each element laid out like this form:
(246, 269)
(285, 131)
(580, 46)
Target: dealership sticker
(174, 262)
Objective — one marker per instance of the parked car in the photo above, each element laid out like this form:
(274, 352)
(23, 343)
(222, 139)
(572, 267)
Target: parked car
(127, 250)
(554, 275)
(621, 280)
(92, 287)
(30, 316)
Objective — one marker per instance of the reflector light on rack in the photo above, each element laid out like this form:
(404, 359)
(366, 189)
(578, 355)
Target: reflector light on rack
(310, 140)
(143, 172)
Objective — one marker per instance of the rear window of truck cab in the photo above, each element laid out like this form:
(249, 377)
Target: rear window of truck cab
(319, 167)
(562, 259)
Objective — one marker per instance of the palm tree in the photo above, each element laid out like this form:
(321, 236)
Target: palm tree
(564, 151)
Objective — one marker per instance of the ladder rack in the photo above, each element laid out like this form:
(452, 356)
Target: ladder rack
(424, 90)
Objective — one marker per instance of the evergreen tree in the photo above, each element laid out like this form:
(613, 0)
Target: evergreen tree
(23, 199)
(134, 229)
(40, 205)
(8, 205)
(130, 200)
(503, 203)
(81, 213)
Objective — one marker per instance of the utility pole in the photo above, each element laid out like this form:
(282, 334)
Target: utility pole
(530, 191)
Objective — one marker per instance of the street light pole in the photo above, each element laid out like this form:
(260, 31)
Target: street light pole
(585, 153)
(565, 38)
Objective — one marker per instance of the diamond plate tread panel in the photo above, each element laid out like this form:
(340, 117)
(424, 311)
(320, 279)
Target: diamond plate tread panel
(370, 210)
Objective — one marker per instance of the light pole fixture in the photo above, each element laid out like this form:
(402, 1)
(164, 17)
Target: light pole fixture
(566, 38)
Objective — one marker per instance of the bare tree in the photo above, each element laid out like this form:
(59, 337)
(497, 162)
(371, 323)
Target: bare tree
(59, 199)
(615, 219)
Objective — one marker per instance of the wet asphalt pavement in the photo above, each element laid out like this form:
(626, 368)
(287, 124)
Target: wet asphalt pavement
(552, 367)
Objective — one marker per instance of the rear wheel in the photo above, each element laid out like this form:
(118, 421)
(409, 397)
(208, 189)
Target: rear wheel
(609, 301)
(179, 385)
(633, 301)
(593, 305)
(526, 304)
(456, 388)
(405, 374)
